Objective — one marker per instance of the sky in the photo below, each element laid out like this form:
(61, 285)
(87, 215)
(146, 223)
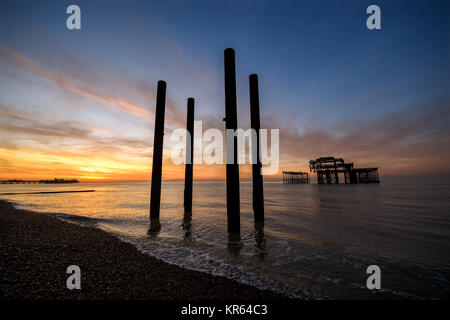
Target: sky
(80, 103)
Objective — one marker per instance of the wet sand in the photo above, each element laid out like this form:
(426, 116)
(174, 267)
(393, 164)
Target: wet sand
(36, 249)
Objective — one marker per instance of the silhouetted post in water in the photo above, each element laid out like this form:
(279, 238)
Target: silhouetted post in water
(258, 195)
(187, 225)
(260, 239)
(155, 199)
(188, 175)
(234, 244)
(154, 229)
(233, 206)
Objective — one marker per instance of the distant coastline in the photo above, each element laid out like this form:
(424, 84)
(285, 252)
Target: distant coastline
(15, 181)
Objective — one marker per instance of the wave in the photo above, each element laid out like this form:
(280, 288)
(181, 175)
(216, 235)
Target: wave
(184, 257)
(201, 262)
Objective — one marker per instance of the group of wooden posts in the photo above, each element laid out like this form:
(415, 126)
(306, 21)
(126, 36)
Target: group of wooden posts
(232, 169)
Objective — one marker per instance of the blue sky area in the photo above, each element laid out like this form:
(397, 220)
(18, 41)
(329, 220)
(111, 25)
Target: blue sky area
(333, 87)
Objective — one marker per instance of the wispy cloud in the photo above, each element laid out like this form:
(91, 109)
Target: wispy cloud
(415, 140)
(88, 87)
(72, 132)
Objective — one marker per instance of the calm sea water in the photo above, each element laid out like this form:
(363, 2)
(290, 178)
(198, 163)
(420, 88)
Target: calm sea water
(317, 240)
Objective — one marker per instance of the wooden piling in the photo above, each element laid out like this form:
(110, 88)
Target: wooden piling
(232, 169)
(258, 194)
(188, 174)
(155, 199)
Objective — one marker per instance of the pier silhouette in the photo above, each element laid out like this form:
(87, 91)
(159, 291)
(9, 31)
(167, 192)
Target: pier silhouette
(54, 181)
(328, 169)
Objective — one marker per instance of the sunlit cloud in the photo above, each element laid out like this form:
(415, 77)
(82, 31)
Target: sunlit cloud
(88, 89)
(414, 140)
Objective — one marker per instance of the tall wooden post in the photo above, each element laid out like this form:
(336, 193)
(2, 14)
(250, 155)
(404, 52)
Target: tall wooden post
(155, 199)
(258, 194)
(232, 167)
(188, 174)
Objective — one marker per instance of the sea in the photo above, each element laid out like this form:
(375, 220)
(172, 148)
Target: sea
(317, 241)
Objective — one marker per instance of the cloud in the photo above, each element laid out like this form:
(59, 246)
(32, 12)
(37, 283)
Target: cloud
(415, 139)
(88, 87)
(74, 135)
(4, 112)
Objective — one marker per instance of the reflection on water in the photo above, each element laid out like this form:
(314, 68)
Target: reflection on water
(234, 244)
(154, 229)
(187, 226)
(318, 239)
(260, 240)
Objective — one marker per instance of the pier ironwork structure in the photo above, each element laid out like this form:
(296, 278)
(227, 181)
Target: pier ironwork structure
(292, 177)
(328, 169)
(54, 181)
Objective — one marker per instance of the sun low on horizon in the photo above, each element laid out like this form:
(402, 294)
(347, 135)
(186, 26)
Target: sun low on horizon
(70, 110)
(224, 158)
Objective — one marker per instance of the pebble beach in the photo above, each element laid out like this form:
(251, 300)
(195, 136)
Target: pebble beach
(36, 249)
